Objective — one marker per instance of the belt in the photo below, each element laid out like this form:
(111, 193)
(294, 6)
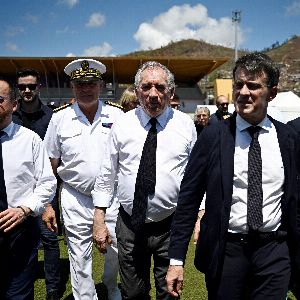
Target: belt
(153, 228)
(257, 237)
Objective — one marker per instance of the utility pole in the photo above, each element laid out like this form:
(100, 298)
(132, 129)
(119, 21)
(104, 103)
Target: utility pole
(236, 19)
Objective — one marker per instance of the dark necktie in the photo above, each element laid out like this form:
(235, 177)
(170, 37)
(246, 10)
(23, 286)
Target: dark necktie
(3, 196)
(146, 178)
(255, 192)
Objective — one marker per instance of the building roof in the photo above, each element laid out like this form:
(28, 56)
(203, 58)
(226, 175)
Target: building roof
(187, 70)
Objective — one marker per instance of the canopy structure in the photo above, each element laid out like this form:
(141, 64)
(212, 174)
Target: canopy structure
(288, 103)
(121, 70)
(285, 99)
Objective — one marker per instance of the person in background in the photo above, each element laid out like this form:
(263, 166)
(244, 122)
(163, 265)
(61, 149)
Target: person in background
(129, 100)
(27, 184)
(76, 138)
(222, 113)
(201, 118)
(175, 102)
(247, 165)
(149, 165)
(33, 114)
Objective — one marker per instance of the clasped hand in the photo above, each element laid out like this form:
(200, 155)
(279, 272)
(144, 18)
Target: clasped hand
(10, 218)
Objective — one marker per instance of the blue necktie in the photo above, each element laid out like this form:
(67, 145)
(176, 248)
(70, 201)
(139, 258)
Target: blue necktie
(255, 192)
(3, 196)
(146, 179)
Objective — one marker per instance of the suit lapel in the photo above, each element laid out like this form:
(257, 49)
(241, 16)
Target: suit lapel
(227, 148)
(285, 145)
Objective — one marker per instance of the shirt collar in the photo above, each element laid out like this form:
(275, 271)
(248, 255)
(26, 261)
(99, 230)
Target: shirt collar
(9, 129)
(162, 119)
(242, 124)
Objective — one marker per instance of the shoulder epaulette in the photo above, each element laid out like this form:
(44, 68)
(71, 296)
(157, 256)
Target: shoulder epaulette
(62, 107)
(113, 104)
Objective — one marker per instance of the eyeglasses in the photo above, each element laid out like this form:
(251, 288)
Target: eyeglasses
(161, 88)
(175, 105)
(224, 104)
(30, 86)
(2, 98)
(251, 86)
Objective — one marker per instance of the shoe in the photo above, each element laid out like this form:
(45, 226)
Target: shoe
(53, 295)
(114, 294)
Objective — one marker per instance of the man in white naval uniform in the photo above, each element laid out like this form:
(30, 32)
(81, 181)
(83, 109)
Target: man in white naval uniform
(76, 138)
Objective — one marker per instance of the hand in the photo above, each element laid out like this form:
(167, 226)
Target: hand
(197, 225)
(49, 218)
(12, 217)
(196, 231)
(101, 235)
(174, 280)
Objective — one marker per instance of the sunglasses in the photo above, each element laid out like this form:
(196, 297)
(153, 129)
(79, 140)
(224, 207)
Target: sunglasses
(30, 86)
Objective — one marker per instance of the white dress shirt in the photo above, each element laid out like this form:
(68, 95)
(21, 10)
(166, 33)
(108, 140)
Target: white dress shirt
(176, 135)
(272, 177)
(80, 144)
(28, 175)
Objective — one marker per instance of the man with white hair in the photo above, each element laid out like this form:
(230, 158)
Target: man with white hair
(149, 164)
(75, 139)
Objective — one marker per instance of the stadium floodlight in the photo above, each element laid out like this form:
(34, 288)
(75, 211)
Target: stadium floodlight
(236, 19)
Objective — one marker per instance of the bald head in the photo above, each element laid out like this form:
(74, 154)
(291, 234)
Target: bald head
(222, 103)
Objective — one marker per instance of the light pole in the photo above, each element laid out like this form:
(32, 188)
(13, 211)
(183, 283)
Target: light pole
(236, 19)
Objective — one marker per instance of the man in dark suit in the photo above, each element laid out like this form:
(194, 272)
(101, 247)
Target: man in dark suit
(250, 229)
(295, 285)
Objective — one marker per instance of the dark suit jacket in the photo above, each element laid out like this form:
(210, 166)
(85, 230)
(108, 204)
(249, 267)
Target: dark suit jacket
(295, 124)
(37, 121)
(211, 169)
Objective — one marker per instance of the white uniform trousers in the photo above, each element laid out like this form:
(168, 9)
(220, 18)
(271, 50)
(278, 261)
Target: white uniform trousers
(78, 212)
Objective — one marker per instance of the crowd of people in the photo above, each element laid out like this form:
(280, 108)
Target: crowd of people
(136, 179)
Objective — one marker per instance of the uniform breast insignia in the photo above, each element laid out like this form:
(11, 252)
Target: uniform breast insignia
(226, 117)
(107, 125)
(113, 104)
(62, 107)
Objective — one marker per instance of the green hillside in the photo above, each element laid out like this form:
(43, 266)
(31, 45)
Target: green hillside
(287, 55)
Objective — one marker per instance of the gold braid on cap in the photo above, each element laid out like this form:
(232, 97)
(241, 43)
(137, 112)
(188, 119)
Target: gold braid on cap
(85, 71)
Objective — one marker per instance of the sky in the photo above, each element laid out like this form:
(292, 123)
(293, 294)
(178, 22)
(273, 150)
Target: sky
(59, 28)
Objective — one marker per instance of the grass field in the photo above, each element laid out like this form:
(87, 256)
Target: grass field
(194, 285)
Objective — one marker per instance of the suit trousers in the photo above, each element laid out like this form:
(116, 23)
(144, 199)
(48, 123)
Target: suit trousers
(78, 213)
(252, 271)
(135, 251)
(51, 252)
(18, 261)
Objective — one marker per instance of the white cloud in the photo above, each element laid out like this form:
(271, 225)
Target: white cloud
(186, 22)
(293, 9)
(95, 20)
(12, 47)
(31, 18)
(14, 30)
(71, 55)
(101, 50)
(69, 3)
